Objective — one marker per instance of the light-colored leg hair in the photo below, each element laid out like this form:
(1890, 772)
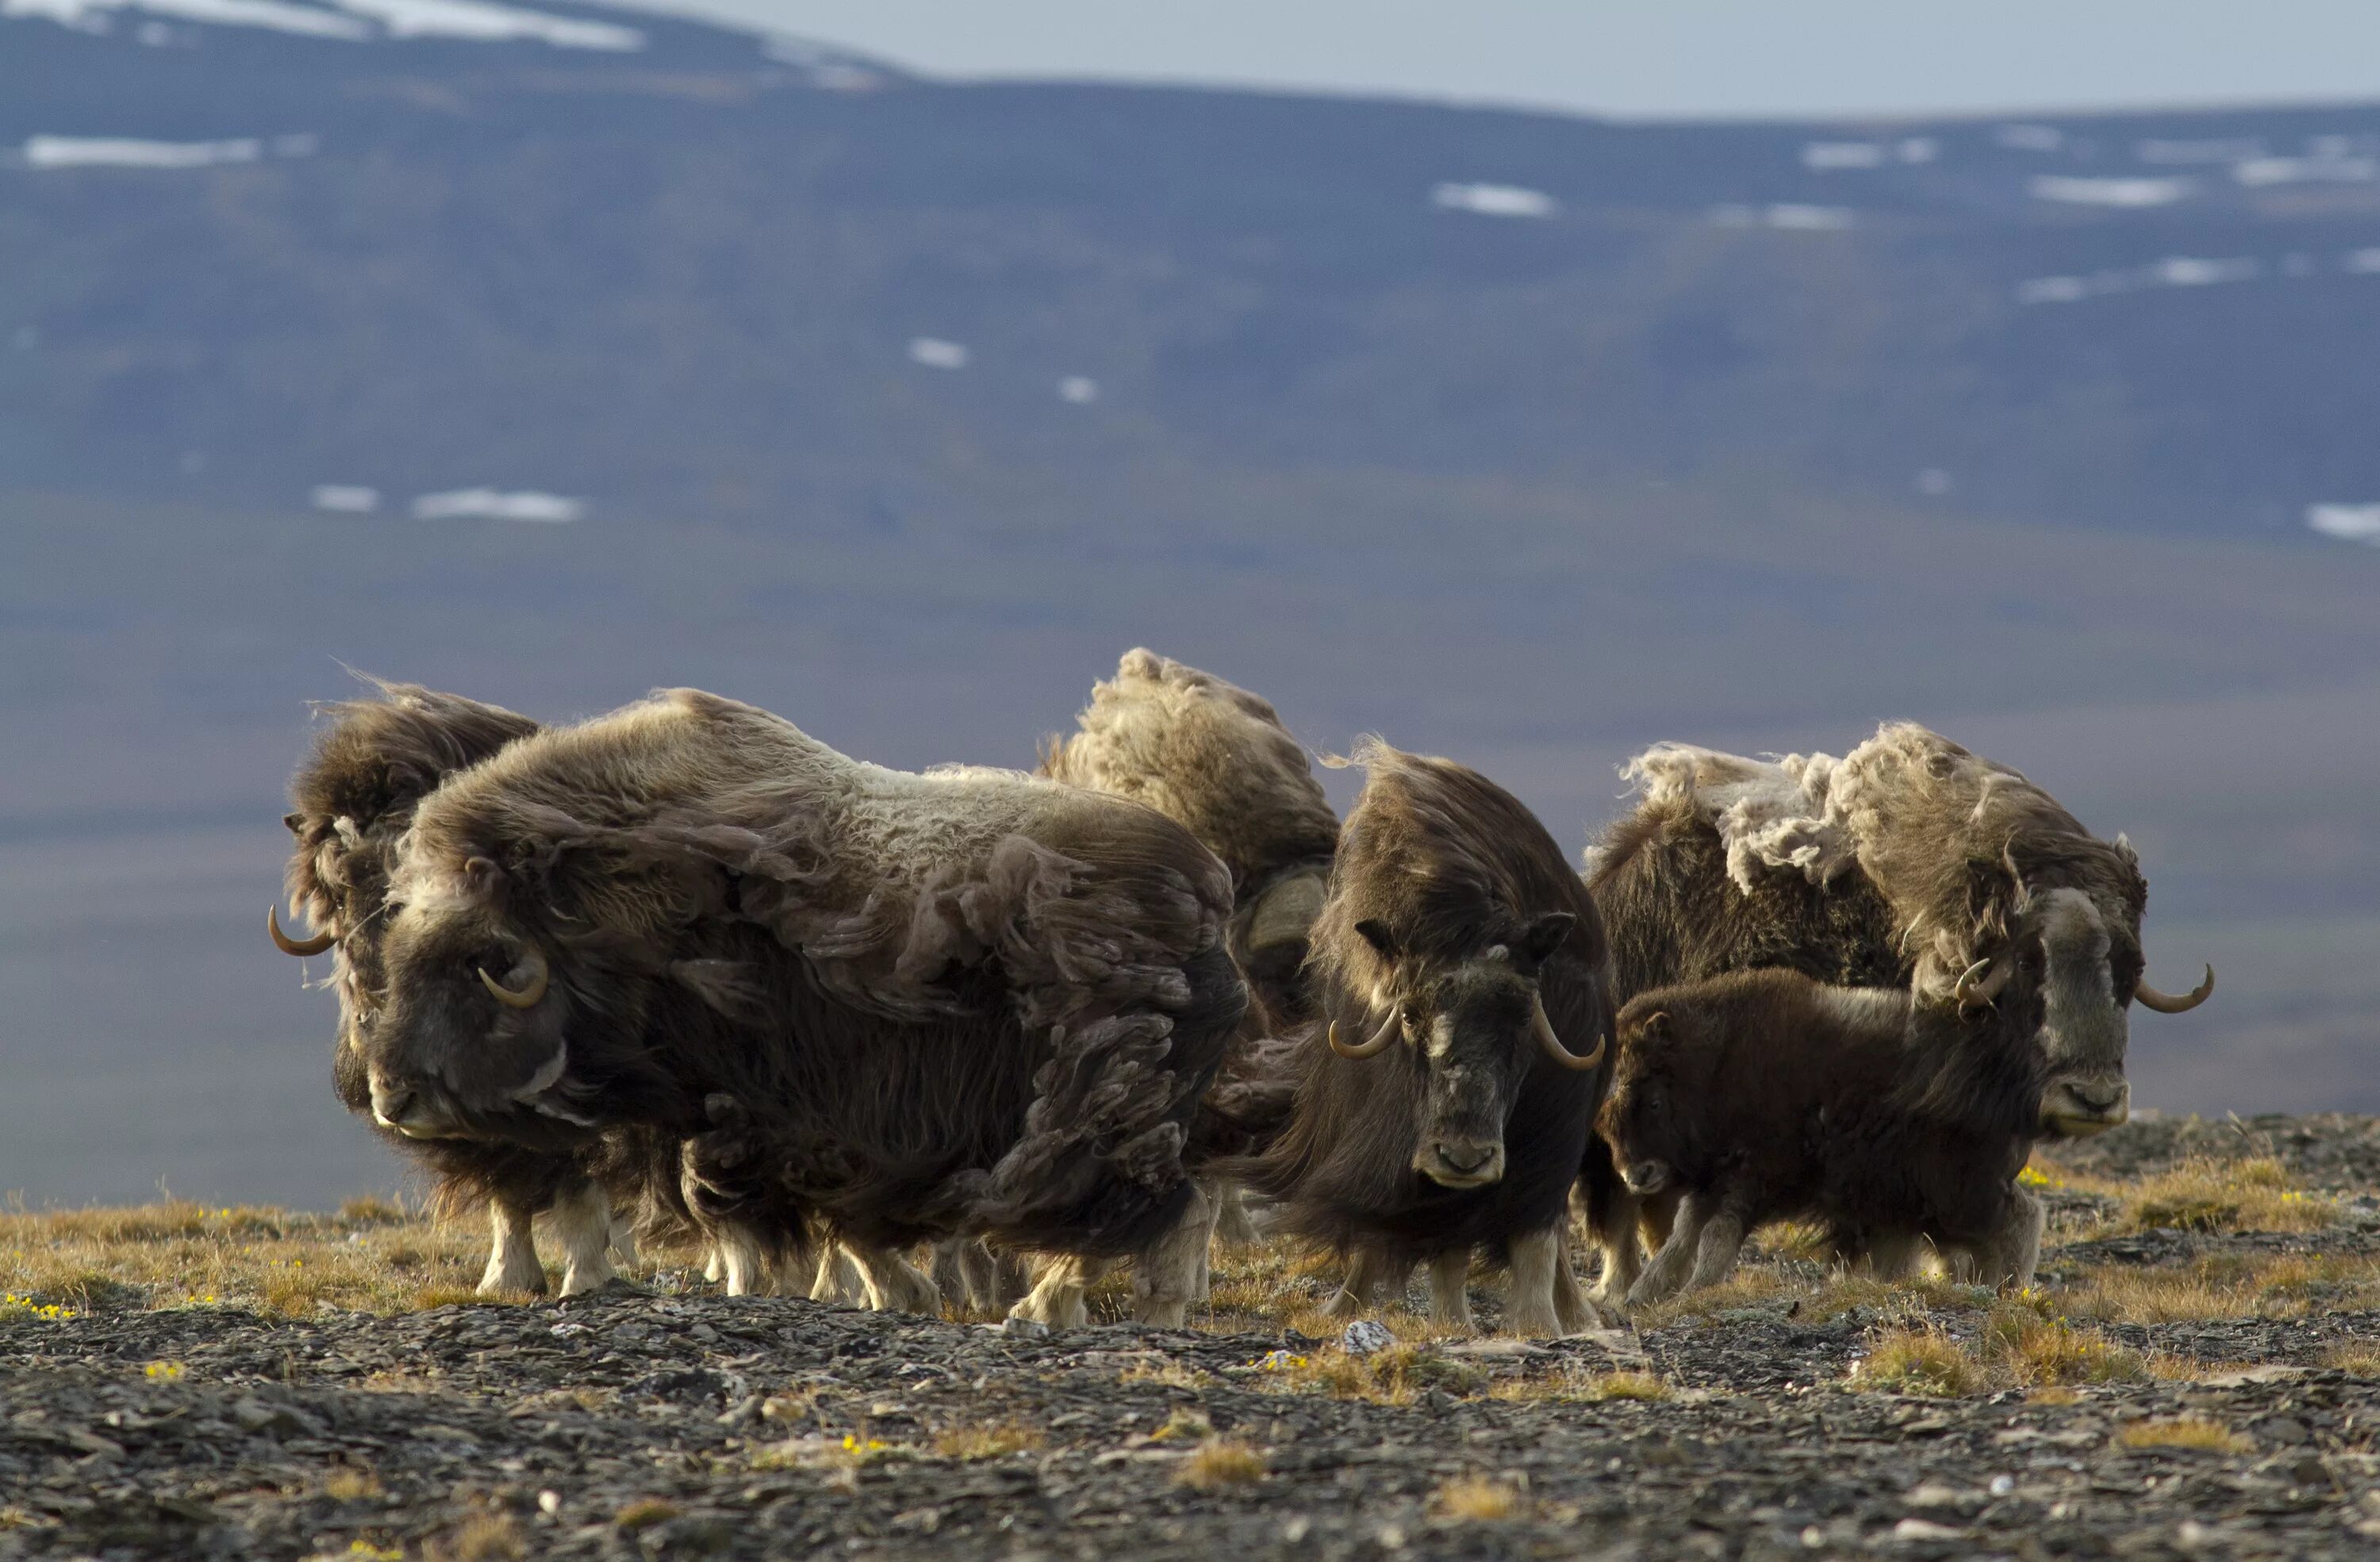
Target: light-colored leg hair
(1529, 1309)
(582, 1220)
(1573, 1309)
(1721, 1245)
(714, 1263)
(624, 1240)
(2014, 1251)
(890, 1283)
(966, 1267)
(1056, 1299)
(512, 1256)
(1891, 1255)
(1450, 1296)
(742, 1263)
(1366, 1272)
(1233, 1227)
(1615, 1239)
(1662, 1277)
(1172, 1272)
(837, 1279)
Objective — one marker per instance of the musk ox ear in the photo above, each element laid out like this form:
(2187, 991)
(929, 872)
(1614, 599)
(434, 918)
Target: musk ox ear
(480, 875)
(1541, 938)
(296, 824)
(1375, 933)
(1656, 1026)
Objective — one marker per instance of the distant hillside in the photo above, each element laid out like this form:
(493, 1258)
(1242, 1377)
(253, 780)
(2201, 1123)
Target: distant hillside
(436, 246)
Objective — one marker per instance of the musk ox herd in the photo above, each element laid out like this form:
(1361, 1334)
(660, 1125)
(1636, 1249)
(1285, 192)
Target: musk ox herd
(684, 969)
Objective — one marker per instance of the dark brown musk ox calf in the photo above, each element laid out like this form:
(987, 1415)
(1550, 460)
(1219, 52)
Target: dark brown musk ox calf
(1444, 1107)
(372, 762)
(1885, 1118)
(910, 1005)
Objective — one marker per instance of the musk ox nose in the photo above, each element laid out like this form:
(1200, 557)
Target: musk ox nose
(1645, 1177)
(1462, 1163)
(2075, 1108)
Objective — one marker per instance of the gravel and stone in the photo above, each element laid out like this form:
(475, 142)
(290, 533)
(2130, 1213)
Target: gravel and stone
(663, 1421)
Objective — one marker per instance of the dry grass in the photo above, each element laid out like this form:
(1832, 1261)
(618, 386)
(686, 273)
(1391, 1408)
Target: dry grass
(1396, 1375)
(2357, 1361)
(1221, 1465)
(489, 1535)
(1919, 1361)
(2185, 1432)
(1639, 1386)
(986, 1440)
(1168, 1374)
(2282, 1287)
(350, 1483)
(2223, 1196)
(644, 1513)
(1476, 1499)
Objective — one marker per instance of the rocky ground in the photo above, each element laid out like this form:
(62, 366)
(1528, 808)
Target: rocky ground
(2110, 1415)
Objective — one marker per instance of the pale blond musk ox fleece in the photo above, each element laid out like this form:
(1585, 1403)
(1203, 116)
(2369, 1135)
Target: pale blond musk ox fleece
(1217, 761)
(910, 1005)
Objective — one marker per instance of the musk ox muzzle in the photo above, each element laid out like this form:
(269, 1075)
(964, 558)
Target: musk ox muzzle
(1646, 1177)
(1460, 1160)
(2077, 1106)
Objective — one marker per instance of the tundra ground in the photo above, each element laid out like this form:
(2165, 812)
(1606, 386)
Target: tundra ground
(2198, 1375)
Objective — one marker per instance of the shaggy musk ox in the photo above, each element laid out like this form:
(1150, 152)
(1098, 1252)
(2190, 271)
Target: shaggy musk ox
(1445, 1107)
(912, 1006)
(352, 799)
(1216, 760)
(1886, 1117)
(1903, 863)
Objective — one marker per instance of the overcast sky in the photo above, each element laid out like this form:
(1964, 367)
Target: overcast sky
(1646, 57)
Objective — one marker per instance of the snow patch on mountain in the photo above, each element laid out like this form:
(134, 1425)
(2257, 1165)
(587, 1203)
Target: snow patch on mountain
(94, 16)
(2349, 523)
(119, 151)
(492, 24)
(2079, 191)
(353, 21)
(1494, 200)
(487, 503)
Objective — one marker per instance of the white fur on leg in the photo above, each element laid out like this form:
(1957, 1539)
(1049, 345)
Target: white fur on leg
(1573, 1309)
(1615, 1240)
(741, 1262)
(624, 1240)
(582, 1220)
(714, 1263)
(1891, 1255)
(890, 1283)
(1168, 1274)
(2013, 1253)
(1529, 1302)
(1233, 1227)
(512, 1257)
(1354, 1297)
(1715, 1254)
(1449, 1298)
(1667, 1272)
(1056, 1299)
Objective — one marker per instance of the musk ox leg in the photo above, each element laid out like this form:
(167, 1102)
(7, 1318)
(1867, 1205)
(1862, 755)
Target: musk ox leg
(742, 1262)
(837, 1279)
(890, 1283)
(1366, 1274)
(1529, 1307)
(1233, 1227)
(582, 1218)
(969, 1267)
(1170, 1272)
(1667, 1273)
(1721, 1245)
(1450, 1294)
(1615, 1238)
(1890, 1255)
(714, 1263)
(1574, 1310)
(1056, 1299)
(2012, 1252)
(624, 1240)
(512, 1257)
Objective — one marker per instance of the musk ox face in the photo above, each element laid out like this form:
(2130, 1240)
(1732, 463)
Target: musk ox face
(1638, 1118)
(468, 1042)
(2062, 954)
(1475, 1028)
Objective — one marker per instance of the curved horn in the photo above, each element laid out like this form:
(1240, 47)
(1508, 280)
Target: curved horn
(523, 997)
(2148, 997)
(1380, 1038)
(1544, 1028)
(1975, 989)
(301, 946)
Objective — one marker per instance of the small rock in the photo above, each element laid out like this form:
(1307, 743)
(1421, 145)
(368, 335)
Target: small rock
(1925, 1530)
(1363, 1336)
(1020, 1327)
(2286, 1431)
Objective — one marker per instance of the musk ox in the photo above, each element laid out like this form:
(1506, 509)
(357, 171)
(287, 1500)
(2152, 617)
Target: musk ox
(1883, 1115)
(1216, 760)
(1901, 864)
(352, 799)
(915, 1006)
(1444, 1106)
